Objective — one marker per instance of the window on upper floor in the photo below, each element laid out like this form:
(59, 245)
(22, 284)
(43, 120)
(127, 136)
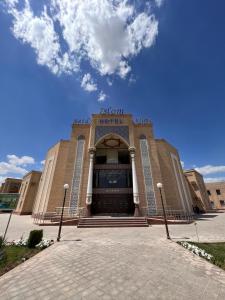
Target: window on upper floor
(218, 192)
(222, 202)
(209, 193)
(194, 185)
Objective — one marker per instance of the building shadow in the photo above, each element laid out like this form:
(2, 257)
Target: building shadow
(203, 217)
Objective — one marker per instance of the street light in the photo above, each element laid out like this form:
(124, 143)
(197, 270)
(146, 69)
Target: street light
(7, 226)
(66, 186)
(159, 186)
(10, 216)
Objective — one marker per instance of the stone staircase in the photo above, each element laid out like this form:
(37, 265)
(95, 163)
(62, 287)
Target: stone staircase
(112, 222)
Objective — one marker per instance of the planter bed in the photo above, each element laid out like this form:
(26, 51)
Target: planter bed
(13, 256)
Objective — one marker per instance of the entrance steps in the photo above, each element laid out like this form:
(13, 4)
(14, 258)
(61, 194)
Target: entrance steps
(112, 222)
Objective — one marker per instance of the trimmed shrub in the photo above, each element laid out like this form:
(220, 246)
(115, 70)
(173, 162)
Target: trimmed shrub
(35, 238)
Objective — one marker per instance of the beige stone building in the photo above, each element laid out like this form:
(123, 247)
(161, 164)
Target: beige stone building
(28, 191)
(112, 165)
(11, 185)
(198, 190)
(216, 192)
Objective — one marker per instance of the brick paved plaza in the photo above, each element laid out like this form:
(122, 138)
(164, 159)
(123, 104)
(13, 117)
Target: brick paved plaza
(117, 263)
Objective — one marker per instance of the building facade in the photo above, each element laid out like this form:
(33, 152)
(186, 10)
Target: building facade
(8, 201)
(112, 165)
(11, 185)
(28, 191)
(216, 192)
(198, 190)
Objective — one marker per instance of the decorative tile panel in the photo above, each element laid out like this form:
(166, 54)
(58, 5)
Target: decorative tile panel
(123, 131)
(77, 174)
(146, 165)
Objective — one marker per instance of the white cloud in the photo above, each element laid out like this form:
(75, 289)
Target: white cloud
(43, 162)
(39, 33)
(15, 165)
(182, 163)
(124, 69)
(88, 84)
(106, 33)
(102, 96)
(159, 2)
(214, 179)
(209, 169)
(6, 168)
(109, 81)
(132, 79)
(23, 160)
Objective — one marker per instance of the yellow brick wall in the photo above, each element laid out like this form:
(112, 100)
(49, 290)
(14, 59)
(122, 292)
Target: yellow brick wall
(212, 187)
(28, 192)
(172, 195)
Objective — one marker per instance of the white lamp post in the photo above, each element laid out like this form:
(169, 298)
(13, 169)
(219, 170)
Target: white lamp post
(159, 186)
(66, 187)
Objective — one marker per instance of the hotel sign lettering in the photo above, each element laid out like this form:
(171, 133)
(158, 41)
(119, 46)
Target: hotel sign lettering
(111, 111)
(115, 121)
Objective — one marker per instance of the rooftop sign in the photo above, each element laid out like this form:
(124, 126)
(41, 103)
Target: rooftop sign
(111, 111)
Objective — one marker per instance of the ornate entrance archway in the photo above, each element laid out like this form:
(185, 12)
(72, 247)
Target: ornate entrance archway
(112, 178)
(111, 188)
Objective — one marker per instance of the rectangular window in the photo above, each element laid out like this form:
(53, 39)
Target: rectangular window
(209, 193)
(218, 192)
(194, 185)
(222, 203)
(212, 204)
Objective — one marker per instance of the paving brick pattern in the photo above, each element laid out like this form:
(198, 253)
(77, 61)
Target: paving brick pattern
(114, 263)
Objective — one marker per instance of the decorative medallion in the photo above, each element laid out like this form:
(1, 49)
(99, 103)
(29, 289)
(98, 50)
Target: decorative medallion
(111, 142)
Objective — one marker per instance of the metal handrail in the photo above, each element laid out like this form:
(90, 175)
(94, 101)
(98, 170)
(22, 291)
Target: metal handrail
(43, 217)
(175, 214)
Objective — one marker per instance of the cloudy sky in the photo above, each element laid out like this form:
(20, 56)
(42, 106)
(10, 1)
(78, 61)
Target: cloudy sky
(62, 60)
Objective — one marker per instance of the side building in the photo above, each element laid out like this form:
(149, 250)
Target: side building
(112, 165)
(198, 190)
(11, 185)
(216, 192)
(9, 194)
(28, 191)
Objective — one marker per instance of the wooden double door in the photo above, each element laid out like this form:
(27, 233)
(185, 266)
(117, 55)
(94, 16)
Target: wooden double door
(111, 204)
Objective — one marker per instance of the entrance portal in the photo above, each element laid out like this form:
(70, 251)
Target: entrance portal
(112, 178)
(112, 204)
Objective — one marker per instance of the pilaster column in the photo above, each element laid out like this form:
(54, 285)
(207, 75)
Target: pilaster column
(135, 184)
(90, 181)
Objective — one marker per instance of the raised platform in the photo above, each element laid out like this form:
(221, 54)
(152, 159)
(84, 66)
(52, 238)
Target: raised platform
(97, 222)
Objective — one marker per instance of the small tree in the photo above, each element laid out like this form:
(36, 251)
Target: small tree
(1, 242)
(34, 238)
(2, 250)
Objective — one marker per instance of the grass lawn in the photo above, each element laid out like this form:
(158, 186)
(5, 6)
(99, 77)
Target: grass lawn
(215, 249)
(14, 256)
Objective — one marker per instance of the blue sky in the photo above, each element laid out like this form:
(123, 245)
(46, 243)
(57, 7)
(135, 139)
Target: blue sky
(172, 70)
